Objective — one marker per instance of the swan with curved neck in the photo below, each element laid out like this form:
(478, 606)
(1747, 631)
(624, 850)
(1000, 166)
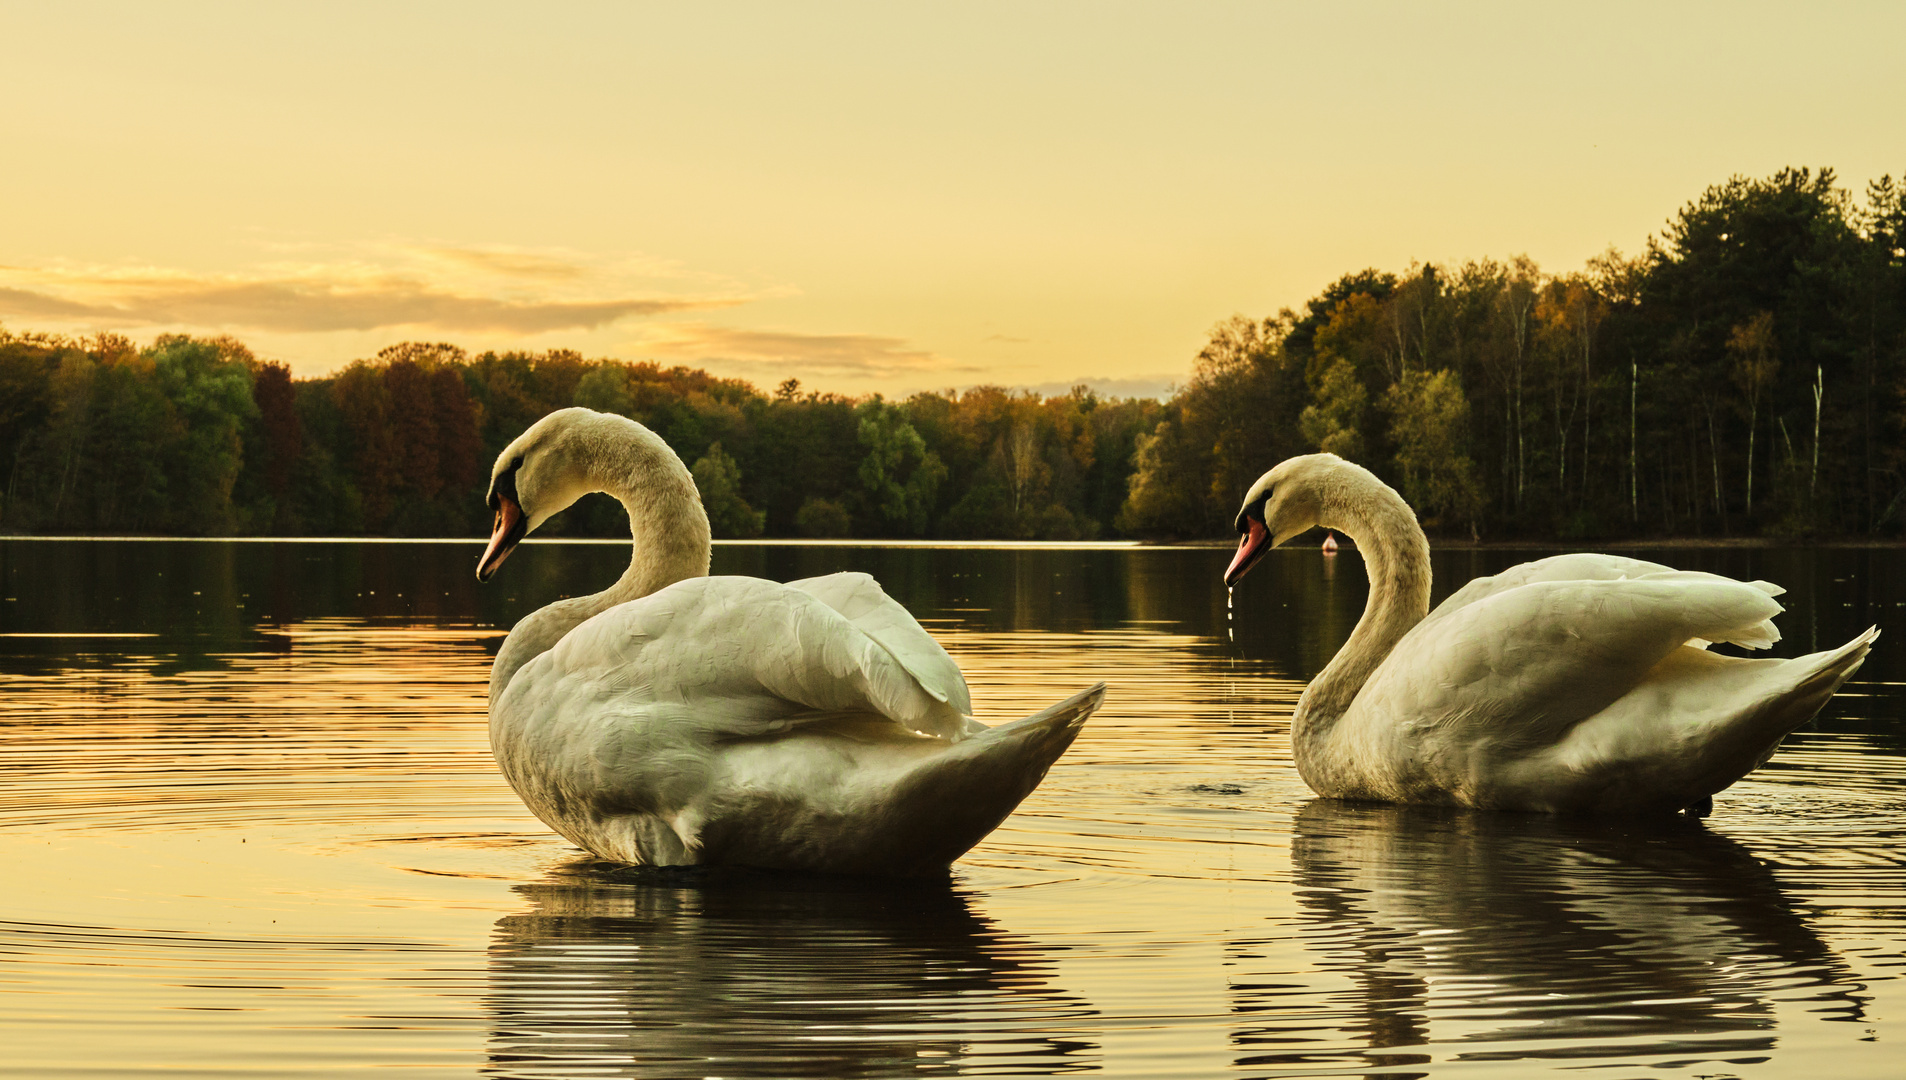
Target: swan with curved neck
(572, 453)
(1577, 683)
(676, 718)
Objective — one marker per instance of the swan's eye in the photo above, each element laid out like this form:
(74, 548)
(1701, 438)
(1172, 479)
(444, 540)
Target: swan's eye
(504, 486)
(1252, 509)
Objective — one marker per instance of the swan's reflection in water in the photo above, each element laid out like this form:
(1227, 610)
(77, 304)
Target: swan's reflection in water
(1504, 937)
(617, 972)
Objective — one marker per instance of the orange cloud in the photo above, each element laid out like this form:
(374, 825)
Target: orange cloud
(305, 307)
(472, 290)
(779, 353)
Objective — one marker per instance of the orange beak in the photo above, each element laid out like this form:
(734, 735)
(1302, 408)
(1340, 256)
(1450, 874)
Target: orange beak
(1251, 547)
(510, 527)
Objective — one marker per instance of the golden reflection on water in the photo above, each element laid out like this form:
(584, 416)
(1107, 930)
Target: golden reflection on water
(777, 976)
(331, 728)
(1534, 939)
(278, 845)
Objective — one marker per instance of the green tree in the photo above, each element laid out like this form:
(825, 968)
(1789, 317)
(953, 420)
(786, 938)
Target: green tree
(1334, 424)
(274, 445)
(605, 389)
(1429, 419)
(823, 519)
(1167, 489)
(1235, 418)
(1878, 315)
(209, 385)
(143, 471)
(26, 400)
(1786, 245)
(718, 479)
(898, 470)
(60, 466)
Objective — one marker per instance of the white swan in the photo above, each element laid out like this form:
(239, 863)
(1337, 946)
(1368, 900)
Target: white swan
(1578, 683)
(677, 718)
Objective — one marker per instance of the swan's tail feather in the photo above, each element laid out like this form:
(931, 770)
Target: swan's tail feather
(952, 800)
(1842, 662)
(1699, 723)
(1055, 721)
(1752, 736)
(1830, 671)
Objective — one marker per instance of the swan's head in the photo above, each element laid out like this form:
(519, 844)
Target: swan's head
(1285, 502)
(539, 475)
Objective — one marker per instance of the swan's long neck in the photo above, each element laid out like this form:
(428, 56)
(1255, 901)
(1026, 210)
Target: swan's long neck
(666, 521)
(1396, 555)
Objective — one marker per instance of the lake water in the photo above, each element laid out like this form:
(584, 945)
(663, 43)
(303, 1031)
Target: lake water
(249, 825)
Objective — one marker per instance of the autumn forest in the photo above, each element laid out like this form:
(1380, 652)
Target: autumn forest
(1743, 375)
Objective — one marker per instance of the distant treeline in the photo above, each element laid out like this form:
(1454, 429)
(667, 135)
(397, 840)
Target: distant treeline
(198, 436)
(1746, 374)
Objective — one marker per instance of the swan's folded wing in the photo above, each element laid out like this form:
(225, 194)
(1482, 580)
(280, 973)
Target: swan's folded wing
(1588, 566)
(861, 601)
(734, 657)
(1576, 566)
(1521, 666)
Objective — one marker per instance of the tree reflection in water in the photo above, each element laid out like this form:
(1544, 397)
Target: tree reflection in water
(1503, 937)
(624, 972)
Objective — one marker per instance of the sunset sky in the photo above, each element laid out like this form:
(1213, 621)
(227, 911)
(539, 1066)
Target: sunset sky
(868, 196)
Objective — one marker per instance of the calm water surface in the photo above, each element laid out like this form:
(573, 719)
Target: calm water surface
(249, 825)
